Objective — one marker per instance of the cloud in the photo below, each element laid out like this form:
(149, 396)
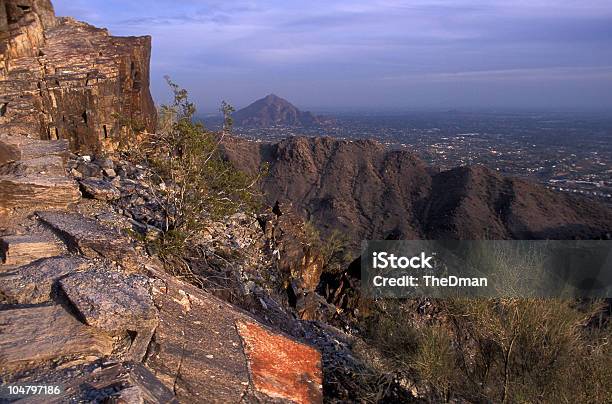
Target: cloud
(560, 73)
(268, 43)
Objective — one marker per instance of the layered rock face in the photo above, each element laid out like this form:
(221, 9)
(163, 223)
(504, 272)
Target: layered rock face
(22, 23)
(33, 174)
(63, 79)
(82, 305)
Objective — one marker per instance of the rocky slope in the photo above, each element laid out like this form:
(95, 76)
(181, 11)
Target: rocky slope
(82, 303)
(273, 110)
(370, 192)
(63, 79)
(85, 303)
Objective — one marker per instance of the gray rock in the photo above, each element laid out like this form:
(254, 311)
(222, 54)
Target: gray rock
(90, 238)
(125, 383)
(105, 163)
(114, 302)
(33, 284)
(88, 170)
(99, 189)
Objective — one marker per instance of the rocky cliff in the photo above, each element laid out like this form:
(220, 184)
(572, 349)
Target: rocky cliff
(63, 79)
(83, 305)
(371, 192)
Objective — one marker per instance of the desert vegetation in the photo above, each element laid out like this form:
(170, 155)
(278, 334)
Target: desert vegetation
(496, 350)
(192, 184)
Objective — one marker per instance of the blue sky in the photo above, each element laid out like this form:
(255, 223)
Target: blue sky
(374, 54)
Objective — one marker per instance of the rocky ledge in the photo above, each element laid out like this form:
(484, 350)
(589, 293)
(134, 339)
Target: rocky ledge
(64, 79)
(80, 301)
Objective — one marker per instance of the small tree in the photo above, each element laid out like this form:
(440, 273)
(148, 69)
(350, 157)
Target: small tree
(193, 180)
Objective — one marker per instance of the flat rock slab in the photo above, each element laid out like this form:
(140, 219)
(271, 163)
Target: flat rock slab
(198, 351)
(40, 334)
(14, 148)
(34, 191)
(23, 249)
(90, 238)
(99, 189)
(47, 165)
(280, 367)
(130, 382)
(114, 302)
(33, 283)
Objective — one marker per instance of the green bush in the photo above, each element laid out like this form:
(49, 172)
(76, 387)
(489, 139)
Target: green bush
(194, 182)
(501, 350)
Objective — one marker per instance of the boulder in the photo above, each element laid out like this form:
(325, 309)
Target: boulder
(200, 348)
(47, 165)
(90, 238)
(280, 367)
(14, 148)
(114, 302)
(33, 191)
(33, 283)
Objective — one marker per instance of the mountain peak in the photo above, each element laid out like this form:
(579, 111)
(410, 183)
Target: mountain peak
(272, 96)
(273, 110)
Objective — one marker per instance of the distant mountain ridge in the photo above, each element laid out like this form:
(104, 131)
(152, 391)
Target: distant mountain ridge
(273, 110)
(368, 191)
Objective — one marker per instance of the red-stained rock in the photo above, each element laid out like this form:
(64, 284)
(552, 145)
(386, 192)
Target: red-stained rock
(202, 346)
(280, 367)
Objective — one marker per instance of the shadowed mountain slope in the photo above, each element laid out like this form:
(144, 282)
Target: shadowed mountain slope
(369, 192)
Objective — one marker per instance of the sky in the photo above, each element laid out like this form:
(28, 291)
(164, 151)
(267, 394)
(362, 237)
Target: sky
(374, 54)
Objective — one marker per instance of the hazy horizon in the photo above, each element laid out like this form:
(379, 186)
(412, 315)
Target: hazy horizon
(382, 55)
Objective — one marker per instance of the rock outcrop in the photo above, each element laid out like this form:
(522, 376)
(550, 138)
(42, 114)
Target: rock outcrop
(63, 79)
(33, 174)
(22, 250)
(78, 314)
(46, 333)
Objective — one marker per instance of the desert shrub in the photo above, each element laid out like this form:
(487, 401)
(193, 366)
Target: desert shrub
(500, 350)
(435, 359)
(334, 248)
(390, 330)
(192, 181)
